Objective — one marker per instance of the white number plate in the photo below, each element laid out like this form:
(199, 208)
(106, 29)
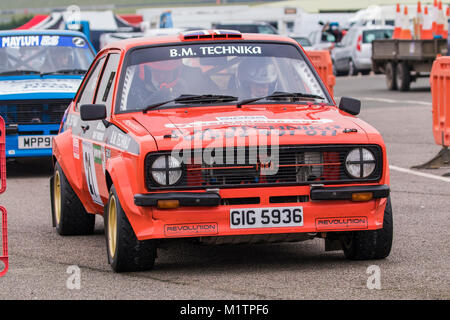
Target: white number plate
(35, 142)
(266, 217)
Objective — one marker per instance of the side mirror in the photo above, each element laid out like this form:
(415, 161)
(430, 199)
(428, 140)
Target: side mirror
(350, 105)
(89, 112)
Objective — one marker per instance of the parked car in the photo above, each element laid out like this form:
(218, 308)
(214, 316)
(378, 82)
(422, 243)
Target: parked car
(322, 40)
(218, 137)
(40, 72)
(354, 53)
(254, 27)
(303, 41)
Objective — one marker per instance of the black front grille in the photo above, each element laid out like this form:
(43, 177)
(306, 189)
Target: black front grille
(33, 111)
(245, 167)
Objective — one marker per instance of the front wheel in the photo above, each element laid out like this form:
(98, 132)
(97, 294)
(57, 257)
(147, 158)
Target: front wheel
(352, 70)
(69, 215)
(371, 244)
(125, 252)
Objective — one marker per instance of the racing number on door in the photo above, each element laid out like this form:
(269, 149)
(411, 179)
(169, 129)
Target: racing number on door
(90, 172)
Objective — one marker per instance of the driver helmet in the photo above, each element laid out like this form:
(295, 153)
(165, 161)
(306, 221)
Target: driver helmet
(257, 77)
(63, 57)
(166, 73)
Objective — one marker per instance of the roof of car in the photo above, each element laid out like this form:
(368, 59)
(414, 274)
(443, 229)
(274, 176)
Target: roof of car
(41, 32)
(243, 24)
(175, 39)
(373, 27)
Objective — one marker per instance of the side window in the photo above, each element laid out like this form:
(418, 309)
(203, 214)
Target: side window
(88, 91)
(106, 86)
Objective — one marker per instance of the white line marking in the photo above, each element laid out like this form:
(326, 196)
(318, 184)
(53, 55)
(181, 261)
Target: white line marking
(424, 103)
(398, 102)
(420, 174)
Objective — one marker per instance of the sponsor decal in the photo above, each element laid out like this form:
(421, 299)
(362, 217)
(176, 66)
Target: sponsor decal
(39, 86)
(42, 40)
(246, 120)
(78, 42)
(76, 148)
(256, 130)
(20, 41)
(120, 140)
(235, 50)
(341, 223)
(52, 41)
(188, 229)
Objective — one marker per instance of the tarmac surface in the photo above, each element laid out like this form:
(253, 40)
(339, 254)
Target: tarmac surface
(41, 262)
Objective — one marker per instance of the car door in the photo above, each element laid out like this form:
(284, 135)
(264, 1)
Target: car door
(97, 144)
(82, 131)
(343, 56)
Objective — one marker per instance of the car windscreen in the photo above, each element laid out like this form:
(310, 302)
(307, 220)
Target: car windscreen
(304, 42)
(241, 70)
(28, 54)
(370, 35)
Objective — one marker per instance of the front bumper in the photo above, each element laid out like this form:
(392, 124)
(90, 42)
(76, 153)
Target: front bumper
(201, 214)
(211, 199)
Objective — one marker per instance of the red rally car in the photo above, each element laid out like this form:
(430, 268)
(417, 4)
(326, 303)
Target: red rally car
(220, 137)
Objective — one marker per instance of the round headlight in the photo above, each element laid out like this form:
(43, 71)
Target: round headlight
(166, 170)
(360, 163)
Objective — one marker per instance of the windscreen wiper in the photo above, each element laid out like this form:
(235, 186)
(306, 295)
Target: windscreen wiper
(13, 72)
(65, 71)
(189, 98)
(280, 95)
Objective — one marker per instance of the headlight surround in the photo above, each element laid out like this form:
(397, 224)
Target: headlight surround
(166, 170)
(360, 163)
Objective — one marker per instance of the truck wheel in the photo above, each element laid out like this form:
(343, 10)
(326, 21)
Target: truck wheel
(372, 244)
(69, 215)
(125, 251)
(391, 76)
(403, 76)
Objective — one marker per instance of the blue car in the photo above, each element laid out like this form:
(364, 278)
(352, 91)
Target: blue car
(40, 72)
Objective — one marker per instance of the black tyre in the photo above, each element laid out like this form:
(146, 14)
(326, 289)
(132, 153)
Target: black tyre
(391, 76)
(365, 72)
(372, 244)
(69, 215)
(352, 70)
(403, 76)
(125, 251)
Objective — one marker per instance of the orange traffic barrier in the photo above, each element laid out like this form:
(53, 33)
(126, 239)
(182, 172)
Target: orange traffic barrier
(3, 225)
(321, 60)
(4, 240)
(440, 82)
(398, 23)
(2, 156)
